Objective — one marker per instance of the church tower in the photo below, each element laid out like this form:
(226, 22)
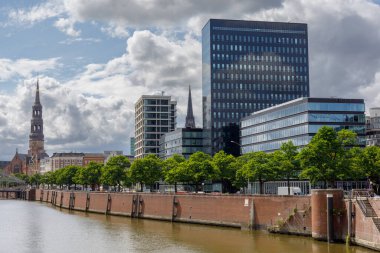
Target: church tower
(190, 122)
(36, 136)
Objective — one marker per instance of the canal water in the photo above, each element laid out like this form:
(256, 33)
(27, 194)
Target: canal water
(39, 227)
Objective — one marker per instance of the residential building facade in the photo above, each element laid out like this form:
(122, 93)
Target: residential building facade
(61, 160)
(248, 66)
(299, 120)
(155, 115)
(93, 157)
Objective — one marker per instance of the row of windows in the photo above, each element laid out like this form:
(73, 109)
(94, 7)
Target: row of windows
(261, 67)
(156, 102)
(274, 145)
(253, 86)
(257, 104)
(355, 118)
(156, 108)
(260, 58)
(258, 39)
(291, 121)
(258, 95)
(229, 115)
(254, 77)
(193, 134)
(294, 109)
(303, 118)
(356, 129)
(279, 134)
(293, 131)
(354, 107)
(259, 49)
(220, 124)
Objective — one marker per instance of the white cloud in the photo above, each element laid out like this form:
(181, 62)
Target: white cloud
(115, 31)
(25, 68)
(36, 13)
(344, 42)
(67, 26)
(95, 109)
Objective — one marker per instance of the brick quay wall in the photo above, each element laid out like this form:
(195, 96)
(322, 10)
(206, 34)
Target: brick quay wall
(243, 211)
(301, 215)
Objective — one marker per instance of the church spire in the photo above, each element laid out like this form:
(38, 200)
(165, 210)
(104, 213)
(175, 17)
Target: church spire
(36, 136)
(37, 99)
(190, 122)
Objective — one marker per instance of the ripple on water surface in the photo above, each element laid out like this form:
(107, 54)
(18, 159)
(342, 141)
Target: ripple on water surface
(38, 227)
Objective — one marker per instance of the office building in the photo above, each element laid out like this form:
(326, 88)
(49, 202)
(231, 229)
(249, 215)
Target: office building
(132, 146)
(185, 141)
(373, 127)
(299, 120)
(155, 115)
(248, 66)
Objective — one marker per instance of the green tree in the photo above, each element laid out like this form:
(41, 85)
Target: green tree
(172, 170)
(89, 175)
(66, 175)
(326, 158)
(367, 164)
(146, 171)
(286, 163)
(35, 179)
(199, 168)
(23, 177)
(240, 180)
(114, 173)
(49, 178)
(258, 168)
(224, 163)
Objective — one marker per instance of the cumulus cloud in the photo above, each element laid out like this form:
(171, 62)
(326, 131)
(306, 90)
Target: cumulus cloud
(24, 68)
(95, 109)
(67, 26)
(166, 13)
(72, 121)
(344, 43)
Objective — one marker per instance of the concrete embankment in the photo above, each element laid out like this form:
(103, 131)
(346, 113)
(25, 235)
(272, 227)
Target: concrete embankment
(302, 215)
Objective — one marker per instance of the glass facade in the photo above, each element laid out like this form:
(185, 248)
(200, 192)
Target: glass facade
(183, 141)
(299, 120)
(248, 66)
(373, 127)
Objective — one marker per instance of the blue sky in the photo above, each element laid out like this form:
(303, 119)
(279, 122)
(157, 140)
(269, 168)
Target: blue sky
(94, 58)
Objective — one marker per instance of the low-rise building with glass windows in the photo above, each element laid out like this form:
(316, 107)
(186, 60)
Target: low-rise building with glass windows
(298, 121)
(373, 127)
(183, 141)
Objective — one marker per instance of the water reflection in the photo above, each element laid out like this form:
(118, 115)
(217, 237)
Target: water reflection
(36, 227)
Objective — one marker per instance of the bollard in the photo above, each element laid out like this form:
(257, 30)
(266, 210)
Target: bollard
(330, 221)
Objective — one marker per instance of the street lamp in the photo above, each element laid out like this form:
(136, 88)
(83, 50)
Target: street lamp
(234, 142)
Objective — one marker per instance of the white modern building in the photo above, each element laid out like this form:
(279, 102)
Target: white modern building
(155, 115)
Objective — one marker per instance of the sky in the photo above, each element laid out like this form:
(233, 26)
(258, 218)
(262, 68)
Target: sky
(95, 58)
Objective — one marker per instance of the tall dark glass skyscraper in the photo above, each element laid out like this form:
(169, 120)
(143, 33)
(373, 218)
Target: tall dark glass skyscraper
(249, 66)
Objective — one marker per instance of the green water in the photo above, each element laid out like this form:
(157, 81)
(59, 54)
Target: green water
(38, 227)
